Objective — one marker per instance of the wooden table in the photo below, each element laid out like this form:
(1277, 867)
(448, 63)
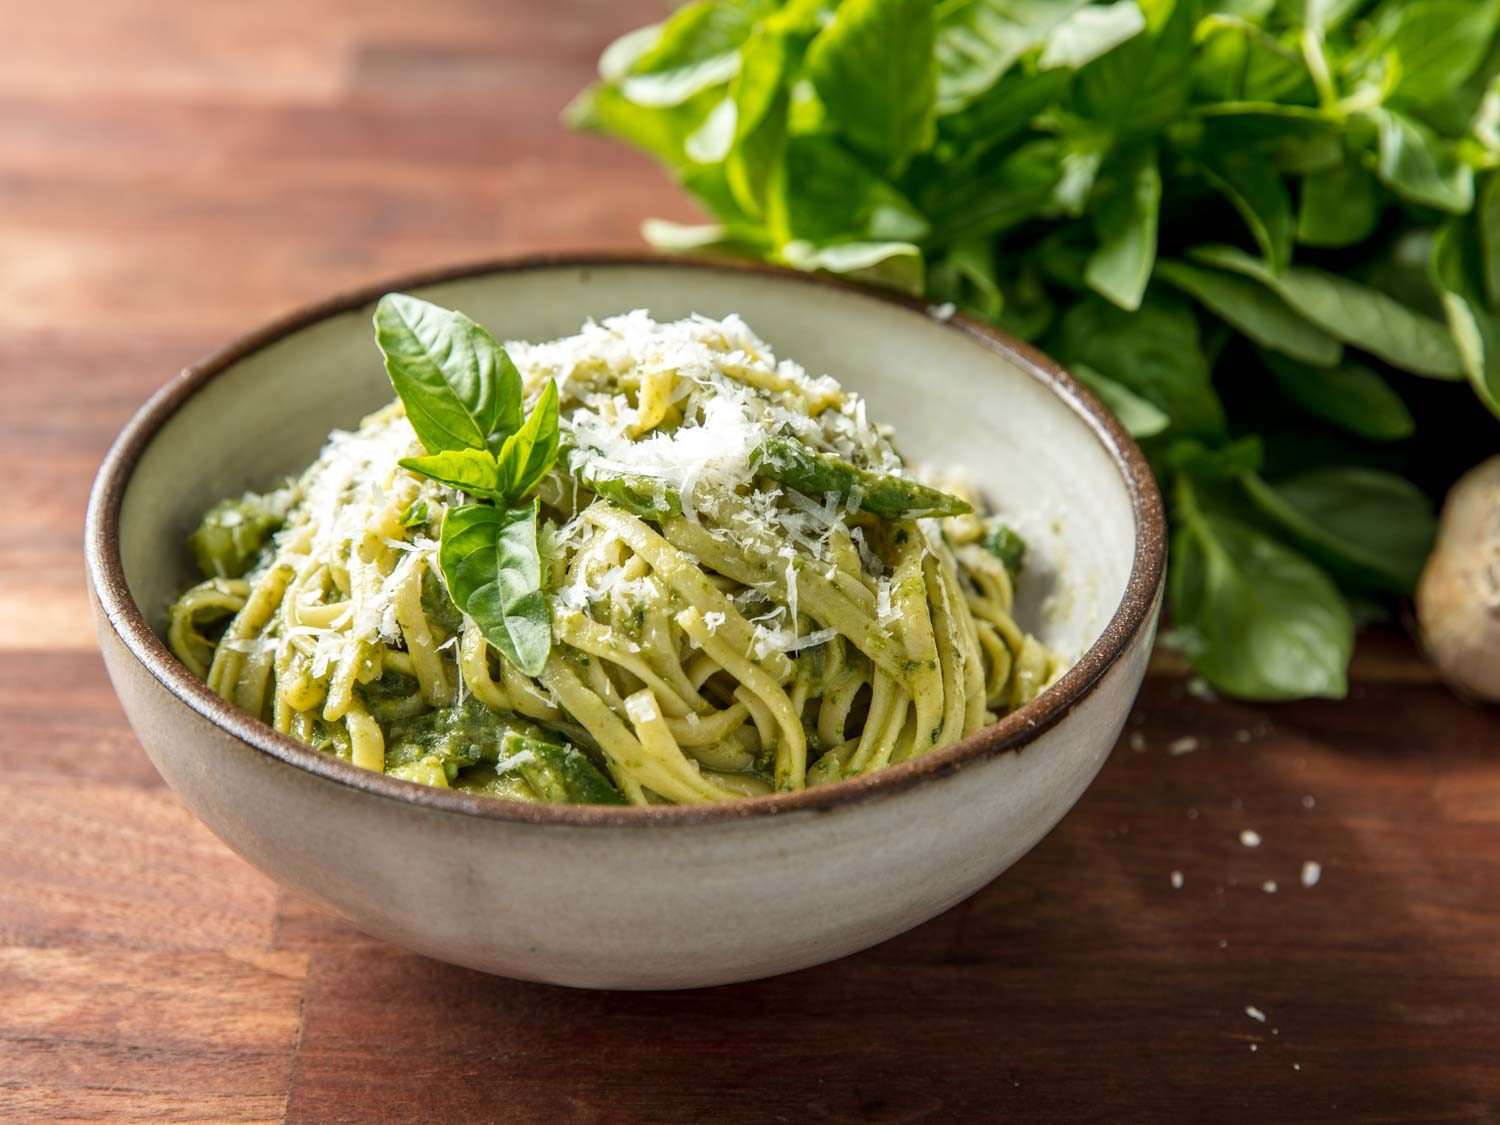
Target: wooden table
(173, 173)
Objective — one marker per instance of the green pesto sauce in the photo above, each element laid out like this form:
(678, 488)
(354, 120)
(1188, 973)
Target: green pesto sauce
(472, 748)
(233, 533)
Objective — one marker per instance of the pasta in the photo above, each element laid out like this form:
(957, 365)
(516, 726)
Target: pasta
(748, 591)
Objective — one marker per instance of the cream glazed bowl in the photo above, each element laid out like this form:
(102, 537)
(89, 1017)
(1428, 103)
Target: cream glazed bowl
(660, 897)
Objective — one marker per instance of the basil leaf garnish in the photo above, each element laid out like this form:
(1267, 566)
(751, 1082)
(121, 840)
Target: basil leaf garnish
(493, 569)
(472, 470)
(527, 454)
(460, 388)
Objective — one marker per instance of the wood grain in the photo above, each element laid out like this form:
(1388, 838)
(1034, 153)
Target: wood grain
(173, 174)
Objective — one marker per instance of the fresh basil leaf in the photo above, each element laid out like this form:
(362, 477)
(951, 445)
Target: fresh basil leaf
(762, 100)
(1143, 85)
(1221, 463)
(1154, 352)
(1439, 44)
(1457, 272)
(696, 49)
(1258, 313)
(1419, 167)
(1253, 186)
(1257, 619)
(1352, 312)
(1126, 224)
(459, 387)
(978, 41)
(471, 470)
(1370, 528)
(824, 195)
(965, 276)
(892, 265)
(661, 131)
(1349, 396)
(999, 192)
(1090, 33)
(1239, 60)
(493, 570)
(873, 68)
(1140, 417)
(1001, 112)
(527, 455)
(1487, 220)
(1338, 206)
(690, 238)
(1028, 310)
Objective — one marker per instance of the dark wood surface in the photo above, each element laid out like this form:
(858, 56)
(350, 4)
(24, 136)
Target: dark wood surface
(172, 174)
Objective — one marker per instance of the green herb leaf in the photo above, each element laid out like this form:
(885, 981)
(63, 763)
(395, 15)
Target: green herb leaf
(1439, 44)
(1254, 187)
(978, 41)
(693, 51)
(762, 101)
(822, 194)
(1257, 619)
(1419, 167)
(1476, 330)
(472, 470)
(1140, 417)
(873, 68)
(1339, 206)
(1126, 225)
(459, 387)
(1155, 353)
(493, 570)
(893, 265)
(1487, 220)
(1350, 396)
(1258, 313)
(527, 455)
(1353, 312)
(1090, 33)
(1370, 528)
(1003, 111)
(1143, 84)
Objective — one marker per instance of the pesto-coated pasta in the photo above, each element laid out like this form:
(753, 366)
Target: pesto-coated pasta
(748, 591)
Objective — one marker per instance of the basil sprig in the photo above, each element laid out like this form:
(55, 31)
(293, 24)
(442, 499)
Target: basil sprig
(1226, 217)
(463, 398)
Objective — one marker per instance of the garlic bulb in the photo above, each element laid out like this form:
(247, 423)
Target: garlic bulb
(1458, 598)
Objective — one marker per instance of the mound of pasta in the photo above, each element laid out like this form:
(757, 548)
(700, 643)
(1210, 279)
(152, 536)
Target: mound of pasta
(648, 563)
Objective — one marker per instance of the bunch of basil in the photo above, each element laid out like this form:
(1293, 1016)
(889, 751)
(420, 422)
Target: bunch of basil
(1286, 208)
(463, 397)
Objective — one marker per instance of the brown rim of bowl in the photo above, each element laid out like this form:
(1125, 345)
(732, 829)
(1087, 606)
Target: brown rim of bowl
(1013, 732)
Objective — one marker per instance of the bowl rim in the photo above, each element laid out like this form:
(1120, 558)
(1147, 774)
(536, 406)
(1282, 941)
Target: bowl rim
(1014, 731)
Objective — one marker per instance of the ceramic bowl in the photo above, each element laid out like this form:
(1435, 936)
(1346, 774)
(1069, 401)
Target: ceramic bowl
(662, 897)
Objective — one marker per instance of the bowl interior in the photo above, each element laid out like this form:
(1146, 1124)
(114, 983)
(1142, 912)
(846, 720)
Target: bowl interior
(953, 398)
